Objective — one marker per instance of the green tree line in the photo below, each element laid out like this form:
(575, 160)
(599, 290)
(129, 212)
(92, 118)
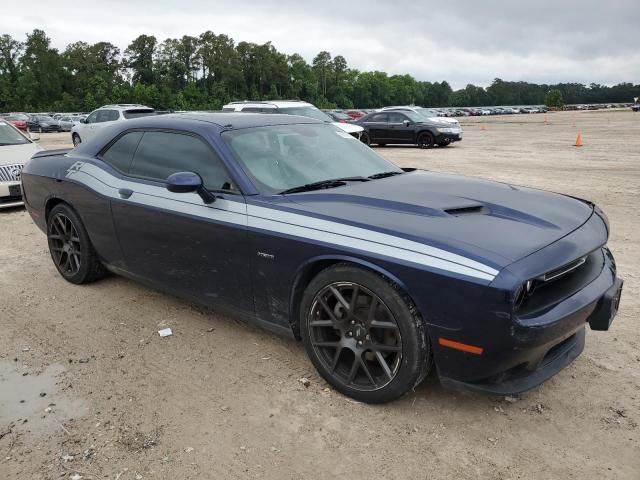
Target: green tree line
(207, 71)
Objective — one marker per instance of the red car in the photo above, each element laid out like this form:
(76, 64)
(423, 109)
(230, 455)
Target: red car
(18, 120)
(355, 114)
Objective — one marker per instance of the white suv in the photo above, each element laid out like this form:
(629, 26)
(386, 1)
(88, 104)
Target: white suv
(103, 116)
(291, 107)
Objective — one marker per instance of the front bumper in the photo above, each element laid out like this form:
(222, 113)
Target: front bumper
(450, 137)
(10, 195)
(540, 346)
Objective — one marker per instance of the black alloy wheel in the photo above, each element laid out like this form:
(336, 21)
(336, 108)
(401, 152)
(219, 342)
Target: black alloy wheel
(425, 140)
(64, 243)
(71, 250)
(363, 334)
(355, 335)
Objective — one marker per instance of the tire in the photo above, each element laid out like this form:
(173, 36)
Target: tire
(365, 138)
(372, 347)
(445, 143)
(425, 140)
(75, 138)
(70, 248)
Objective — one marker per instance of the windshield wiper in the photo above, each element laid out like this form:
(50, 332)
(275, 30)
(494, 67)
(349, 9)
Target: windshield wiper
(334, 182)
(375, 176)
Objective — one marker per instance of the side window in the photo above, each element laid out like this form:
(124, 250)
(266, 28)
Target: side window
(106, 116)
(161, 153)
(380, 117)
(113, 115)
(396, 118)
(92, 118)
(120, 154)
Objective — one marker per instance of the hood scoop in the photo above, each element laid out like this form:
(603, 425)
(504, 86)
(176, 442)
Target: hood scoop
(470, 210)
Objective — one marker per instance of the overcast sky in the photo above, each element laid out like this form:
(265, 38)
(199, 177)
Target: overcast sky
(461, 41)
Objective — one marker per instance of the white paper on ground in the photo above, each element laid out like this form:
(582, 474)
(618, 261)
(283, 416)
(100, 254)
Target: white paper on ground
(165, 332)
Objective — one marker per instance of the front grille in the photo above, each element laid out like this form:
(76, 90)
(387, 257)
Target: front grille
(10, 173)
(562, 283)
(557, 273)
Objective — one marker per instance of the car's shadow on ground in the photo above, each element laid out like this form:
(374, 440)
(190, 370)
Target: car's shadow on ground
(9, 210)
(412, 147)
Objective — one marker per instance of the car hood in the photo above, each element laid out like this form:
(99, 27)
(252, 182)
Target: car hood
(452, 121)
(490, 221)
(349, 127)
(10, 154)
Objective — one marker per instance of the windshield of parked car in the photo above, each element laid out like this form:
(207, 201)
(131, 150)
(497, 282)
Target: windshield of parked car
(341, 116)
(310, 112)
(427, 112)
(413, 116)
(44, 118)
(282, 157)
(138, 112)
(10, 136)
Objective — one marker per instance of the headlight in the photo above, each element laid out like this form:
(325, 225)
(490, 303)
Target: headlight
(445, 129)
(525, 290)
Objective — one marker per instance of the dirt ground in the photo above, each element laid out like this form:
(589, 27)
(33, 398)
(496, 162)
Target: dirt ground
(88, 388)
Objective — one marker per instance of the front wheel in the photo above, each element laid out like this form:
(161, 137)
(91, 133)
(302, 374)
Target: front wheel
(444, 143)
(363, 335)
(425, 140)
(365, 138)
(71, 250)
(75, 138)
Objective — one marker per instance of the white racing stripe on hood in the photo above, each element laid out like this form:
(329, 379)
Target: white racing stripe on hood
(365, 246)
(278, 221)
(369, 235)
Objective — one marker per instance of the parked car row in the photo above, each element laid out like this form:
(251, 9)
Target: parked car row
(597, 106)
(43, 122)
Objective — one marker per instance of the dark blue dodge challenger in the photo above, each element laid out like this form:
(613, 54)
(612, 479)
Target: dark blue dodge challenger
(383, 273)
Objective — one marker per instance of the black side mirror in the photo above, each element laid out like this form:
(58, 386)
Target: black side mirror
(187, 182)
(83, 120)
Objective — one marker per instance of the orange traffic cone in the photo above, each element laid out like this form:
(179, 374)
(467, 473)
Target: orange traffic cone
(579, 140)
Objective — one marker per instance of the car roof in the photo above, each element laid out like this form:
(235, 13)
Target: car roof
(124, 106)
(270, 103)
(231, 120)
(201, 123)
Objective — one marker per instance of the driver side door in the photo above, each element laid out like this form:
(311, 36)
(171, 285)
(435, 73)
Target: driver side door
(175, 240)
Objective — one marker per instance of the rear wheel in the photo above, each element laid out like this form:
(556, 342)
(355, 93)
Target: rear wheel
(70, 247)
(425, 140)
(363, 335)
(76, 139)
